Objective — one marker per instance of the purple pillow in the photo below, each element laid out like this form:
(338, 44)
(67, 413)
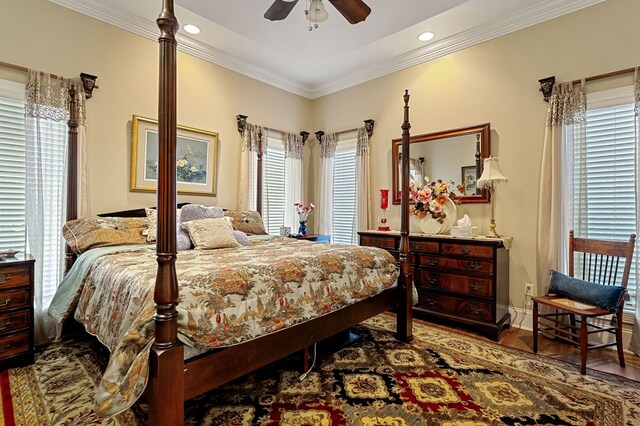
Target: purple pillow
(240, 237)
(193, 212)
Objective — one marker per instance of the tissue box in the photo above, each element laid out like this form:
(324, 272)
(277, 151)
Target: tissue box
(462, 231)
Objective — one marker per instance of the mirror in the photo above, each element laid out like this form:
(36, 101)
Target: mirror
(450, 155)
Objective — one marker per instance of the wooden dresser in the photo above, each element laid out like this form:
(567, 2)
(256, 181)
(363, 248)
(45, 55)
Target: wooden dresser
(460, 281)
(16, 311)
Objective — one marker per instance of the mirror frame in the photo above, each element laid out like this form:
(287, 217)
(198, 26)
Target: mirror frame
(482, 151)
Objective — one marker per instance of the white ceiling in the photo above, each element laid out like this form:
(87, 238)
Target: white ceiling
(337, 55)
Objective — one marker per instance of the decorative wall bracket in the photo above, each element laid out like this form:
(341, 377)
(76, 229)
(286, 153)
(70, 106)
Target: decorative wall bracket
(88, 83)
(305, 136)
(242, 122)
(319, 135)
(368, 125)
(546, 86)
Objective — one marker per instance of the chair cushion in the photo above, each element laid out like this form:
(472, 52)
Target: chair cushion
(603, 296)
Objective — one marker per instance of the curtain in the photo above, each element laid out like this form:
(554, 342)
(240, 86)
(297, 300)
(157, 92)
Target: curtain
(249, 146)
(46, 115)
(293, 184)
(635, 334)
(363, 178)
(325, 192)
(564, 123)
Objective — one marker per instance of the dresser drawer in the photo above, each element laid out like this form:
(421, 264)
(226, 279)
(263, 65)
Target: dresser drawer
(19, 298)
(467, 250)
(453, 305)
(14, 321)
(382, 242)
(396, 254)
(457, 283)
(14, 344)
(424, 246)
(459, 264)
(14, 276)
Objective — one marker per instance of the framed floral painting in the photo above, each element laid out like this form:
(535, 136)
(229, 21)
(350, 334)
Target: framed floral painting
(469, 180)
(195, 158)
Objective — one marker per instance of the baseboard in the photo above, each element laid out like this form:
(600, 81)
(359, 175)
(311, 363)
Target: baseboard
(523, 319)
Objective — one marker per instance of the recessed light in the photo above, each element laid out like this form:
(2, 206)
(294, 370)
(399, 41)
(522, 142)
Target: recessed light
(426, 36)
(192, 29)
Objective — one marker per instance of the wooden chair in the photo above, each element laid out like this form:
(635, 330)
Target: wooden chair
(599, 261)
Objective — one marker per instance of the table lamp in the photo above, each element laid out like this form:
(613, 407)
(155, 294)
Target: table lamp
(382, 215)
(491, 174)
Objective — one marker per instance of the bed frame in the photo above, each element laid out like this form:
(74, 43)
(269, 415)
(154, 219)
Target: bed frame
(173, 380)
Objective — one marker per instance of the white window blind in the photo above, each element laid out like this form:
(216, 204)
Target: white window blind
(345, 219)
(605, 174)
(273, 186)
(12, 166)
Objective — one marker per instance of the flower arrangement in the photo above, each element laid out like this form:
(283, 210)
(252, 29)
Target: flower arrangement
(431, 198)
(304, 211)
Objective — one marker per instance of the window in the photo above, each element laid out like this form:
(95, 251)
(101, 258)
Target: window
(12, 166)
(345, 195)
(604, 174)
(273, 186)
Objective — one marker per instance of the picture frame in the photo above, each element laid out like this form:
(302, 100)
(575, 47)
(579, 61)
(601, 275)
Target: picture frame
(469, 180)
(196, 158)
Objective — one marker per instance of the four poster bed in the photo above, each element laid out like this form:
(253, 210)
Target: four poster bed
(171, 379)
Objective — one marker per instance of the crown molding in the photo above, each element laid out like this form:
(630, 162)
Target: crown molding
(522, 19)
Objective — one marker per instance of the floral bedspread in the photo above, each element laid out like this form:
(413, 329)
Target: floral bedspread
(227, 296)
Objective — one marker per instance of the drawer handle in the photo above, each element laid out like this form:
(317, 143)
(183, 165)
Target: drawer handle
(4, 278)
(431, 302)
(465, 250)
(5, 325)
(377, 243)
(5, 302)
(475, 309)
(5, 348)
(432, 261)
(433, 280)
(476, 266)
(476, 287)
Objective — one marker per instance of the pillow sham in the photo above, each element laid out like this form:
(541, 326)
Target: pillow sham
(210, 233)
(194, 212)
(90, 232)
(152, 230)
(603, 296)
(249, 222)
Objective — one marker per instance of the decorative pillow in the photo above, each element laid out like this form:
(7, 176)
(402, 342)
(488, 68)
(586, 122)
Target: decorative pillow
(90, 232)
(241, 237)
(248, 222)
(210, 233)
(152, 229)
(194, 212)
(603, 296)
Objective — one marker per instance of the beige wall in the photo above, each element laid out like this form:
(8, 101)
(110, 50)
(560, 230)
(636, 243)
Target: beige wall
(44, 36)
(494, 82)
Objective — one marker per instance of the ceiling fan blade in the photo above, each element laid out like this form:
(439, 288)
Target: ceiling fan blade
(354, 11)
(279, 10)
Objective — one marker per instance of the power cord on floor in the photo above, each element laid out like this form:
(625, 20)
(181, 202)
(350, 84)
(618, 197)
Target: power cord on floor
(527, 293)
(306, 373)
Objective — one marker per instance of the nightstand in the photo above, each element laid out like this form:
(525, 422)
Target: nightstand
(16, 311)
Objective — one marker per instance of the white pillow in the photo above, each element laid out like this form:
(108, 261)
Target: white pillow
(211, 233)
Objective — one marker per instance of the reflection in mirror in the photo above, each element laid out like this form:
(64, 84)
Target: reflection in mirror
(454, 155)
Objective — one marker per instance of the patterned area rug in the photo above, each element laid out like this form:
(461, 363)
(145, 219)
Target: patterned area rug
(442, 378)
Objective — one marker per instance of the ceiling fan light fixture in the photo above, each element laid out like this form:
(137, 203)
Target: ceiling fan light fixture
(192, 29)
(316, 12)
(426, 36)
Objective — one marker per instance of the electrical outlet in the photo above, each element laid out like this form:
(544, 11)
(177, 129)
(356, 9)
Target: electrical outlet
(528, 290)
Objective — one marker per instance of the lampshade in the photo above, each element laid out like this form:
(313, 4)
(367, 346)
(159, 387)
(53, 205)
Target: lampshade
(317, 12)
(491, 173)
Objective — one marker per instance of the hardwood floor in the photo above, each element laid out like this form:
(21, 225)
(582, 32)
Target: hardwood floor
(605, 360)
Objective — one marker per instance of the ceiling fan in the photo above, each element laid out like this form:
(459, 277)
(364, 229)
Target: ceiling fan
(354, 11)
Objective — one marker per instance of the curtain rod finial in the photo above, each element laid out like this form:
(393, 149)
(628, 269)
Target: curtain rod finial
(242, 122)
(546, 86)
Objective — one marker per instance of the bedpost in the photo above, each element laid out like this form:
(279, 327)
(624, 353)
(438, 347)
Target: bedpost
(259, 173)
(405, 312)
(166, 377)
(72, 170)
